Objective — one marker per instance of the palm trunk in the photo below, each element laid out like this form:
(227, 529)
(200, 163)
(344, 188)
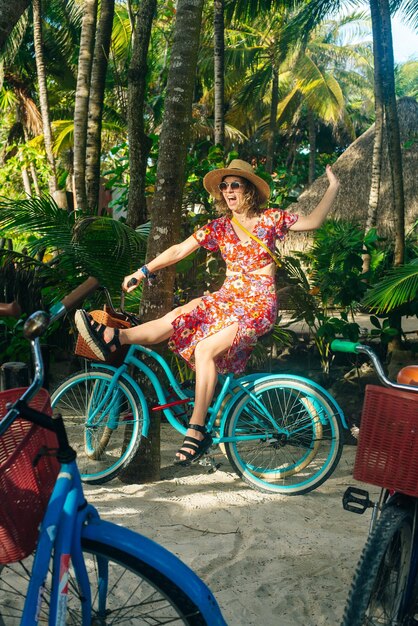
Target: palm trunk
(43, 94)
(139, 142)
(392, 130)
(35, 181)
(85, 63)
(219, 62)
(376, 170)
(271, 140)
(26, 182)
(98, 80)
(167, 204)
(312, 146)
(387, 74)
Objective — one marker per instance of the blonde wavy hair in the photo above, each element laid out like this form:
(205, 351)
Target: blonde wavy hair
(251, 201)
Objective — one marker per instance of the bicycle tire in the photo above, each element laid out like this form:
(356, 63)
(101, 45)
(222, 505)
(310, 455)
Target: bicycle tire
(377, 594)
(102, 451)
(137, 593)
(300, 453)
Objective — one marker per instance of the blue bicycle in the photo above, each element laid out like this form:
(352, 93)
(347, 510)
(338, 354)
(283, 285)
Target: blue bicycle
(281, 433)
(84, 571)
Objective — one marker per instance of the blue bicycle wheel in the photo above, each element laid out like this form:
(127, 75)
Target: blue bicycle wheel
(289, 440)
(104, 425)
(135, 593)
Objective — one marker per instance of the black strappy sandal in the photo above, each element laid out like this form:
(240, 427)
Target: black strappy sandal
(198, 446)
(93, 334)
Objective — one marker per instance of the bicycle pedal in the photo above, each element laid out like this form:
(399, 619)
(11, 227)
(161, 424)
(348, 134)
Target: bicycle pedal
(356, 500)
(209, 461)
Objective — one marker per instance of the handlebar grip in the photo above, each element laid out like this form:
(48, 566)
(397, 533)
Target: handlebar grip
(132, 282)
(10, 309)
(338, 345)
(80, 293)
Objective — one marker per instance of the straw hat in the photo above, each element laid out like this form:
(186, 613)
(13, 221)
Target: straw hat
(236, 168)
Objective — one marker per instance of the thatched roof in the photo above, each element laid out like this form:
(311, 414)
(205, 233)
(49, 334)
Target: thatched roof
(354, 171)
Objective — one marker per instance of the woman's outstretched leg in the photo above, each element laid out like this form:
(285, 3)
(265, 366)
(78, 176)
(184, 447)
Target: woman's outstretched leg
(104, 339)
(205, 356)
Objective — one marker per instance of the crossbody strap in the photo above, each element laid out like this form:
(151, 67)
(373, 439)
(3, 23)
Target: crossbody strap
(261, 243)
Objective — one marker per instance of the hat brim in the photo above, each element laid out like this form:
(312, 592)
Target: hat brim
(213, 178)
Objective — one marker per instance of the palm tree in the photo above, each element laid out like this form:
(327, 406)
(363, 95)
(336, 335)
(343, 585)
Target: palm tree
(43, 92)
(323, 75)
(406, 79)
(140, 143)
(219, 80)
(381, 16)
(10, 14)
(96, 99)
(85, 63)
(167, 202)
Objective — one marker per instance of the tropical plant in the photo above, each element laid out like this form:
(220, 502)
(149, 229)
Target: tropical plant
(406, 79)
(75, 244)
(326, 283)
(397, 291)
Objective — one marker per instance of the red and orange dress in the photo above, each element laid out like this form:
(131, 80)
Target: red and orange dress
(249, 299)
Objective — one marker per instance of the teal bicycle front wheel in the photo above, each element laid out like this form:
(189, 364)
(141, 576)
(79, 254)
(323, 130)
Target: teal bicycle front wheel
(104, 423)
(288, 437)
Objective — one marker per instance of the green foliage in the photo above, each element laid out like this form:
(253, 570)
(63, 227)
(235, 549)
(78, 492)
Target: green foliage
(13, 346)
(326, 282)
(79, 244)
(396, 291)
(73, 247)
(335, 262)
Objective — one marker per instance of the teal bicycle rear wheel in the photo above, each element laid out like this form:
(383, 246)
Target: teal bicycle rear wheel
(289, 441)
(104, 433)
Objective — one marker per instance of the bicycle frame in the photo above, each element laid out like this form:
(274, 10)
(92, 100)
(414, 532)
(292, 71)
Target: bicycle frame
(63, 519)
(69, 519)
(232, 390)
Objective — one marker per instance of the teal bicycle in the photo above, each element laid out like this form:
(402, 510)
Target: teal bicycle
(281, 433)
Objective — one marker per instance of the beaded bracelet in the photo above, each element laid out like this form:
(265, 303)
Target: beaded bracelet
(150, 276)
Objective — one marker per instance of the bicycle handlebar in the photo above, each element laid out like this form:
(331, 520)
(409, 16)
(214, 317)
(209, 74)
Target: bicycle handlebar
(339, 345)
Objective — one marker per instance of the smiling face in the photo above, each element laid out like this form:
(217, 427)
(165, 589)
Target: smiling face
(234, 198)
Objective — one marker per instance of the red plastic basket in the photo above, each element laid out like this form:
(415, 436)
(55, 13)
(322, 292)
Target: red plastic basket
(24, 488)
(387, 452)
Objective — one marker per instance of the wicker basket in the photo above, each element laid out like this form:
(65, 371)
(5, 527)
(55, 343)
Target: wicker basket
(114, 320)
(25, 487)
(387, 452)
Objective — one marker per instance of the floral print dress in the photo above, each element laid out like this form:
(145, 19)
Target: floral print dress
(245, 298)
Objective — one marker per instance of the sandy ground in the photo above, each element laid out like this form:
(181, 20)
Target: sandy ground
(270, 560)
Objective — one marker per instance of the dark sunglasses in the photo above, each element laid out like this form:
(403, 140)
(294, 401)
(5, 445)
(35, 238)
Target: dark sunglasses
(223, 186)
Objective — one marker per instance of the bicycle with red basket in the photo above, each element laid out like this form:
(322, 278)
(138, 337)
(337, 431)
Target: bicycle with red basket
(384, 590)
(60, 563)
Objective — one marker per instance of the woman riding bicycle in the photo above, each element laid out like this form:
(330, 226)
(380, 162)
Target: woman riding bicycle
(217, 332)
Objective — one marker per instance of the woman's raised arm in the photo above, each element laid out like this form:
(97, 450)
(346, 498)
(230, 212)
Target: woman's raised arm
(317, 217)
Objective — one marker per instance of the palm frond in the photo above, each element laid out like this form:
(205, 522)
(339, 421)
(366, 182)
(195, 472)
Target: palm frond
(399, 287)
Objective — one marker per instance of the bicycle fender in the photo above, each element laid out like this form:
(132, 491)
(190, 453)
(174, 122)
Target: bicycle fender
(251, 378)
(162, 560)
(128, 379)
